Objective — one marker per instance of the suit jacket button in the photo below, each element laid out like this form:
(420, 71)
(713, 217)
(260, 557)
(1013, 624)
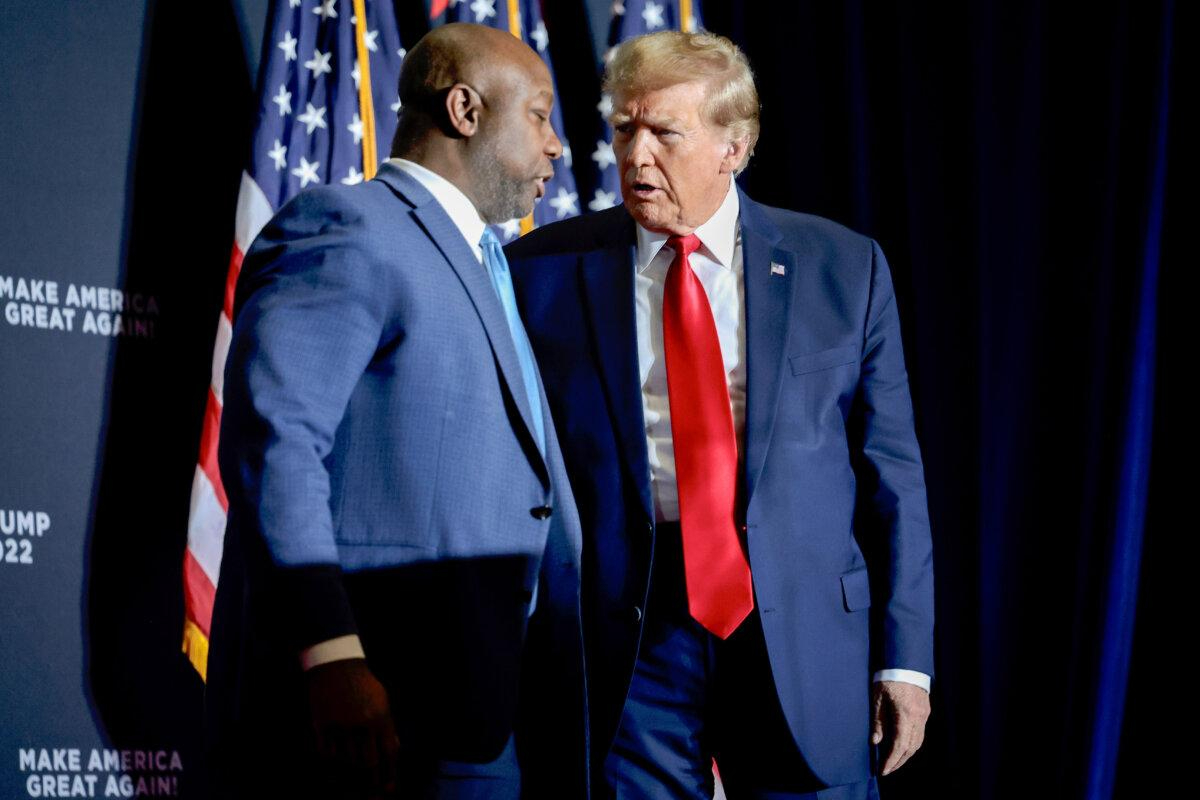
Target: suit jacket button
(540, 512)
(637, 614)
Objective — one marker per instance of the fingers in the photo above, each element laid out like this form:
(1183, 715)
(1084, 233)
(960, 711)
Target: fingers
(360, 762)
(389, 751)
(354, 732)
(378, 755)
(364, 763)
(335, 752)
(386, 772)
(876, 715)
(905, 739)
(900, 713)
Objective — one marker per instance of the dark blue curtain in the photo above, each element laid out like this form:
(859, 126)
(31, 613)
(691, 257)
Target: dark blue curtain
(1014, 159)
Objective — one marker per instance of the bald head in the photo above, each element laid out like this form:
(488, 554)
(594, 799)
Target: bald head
(476, 105)
(486, 59)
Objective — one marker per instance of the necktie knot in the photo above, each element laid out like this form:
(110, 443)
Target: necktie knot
(684, 246)
(488, 239)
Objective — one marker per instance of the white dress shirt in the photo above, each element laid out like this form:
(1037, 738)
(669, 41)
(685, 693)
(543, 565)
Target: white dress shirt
(718, 265)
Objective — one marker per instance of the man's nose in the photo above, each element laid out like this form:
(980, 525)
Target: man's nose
(554, 147)
(639, 153)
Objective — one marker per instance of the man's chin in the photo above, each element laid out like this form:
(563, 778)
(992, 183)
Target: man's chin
(525, 205)
(513, 212)
(649, 215)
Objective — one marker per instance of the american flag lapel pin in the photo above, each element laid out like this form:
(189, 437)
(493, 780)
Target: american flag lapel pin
(777, 269)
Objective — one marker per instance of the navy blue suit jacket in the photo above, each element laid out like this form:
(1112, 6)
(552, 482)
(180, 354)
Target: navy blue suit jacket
(835, 511)
(384, 480)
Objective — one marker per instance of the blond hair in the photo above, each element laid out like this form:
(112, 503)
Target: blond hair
(658, 60)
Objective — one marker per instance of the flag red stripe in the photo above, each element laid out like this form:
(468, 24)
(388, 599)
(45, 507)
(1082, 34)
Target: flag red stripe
(208, 448)
(235, 267)
(198, 593)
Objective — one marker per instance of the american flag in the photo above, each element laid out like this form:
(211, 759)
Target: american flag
(632, 18)
(523, 19)
(322, 118)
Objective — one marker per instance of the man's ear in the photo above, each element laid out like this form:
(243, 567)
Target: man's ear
(463, 105)
(735, 153)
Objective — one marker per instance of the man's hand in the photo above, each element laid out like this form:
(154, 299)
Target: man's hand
(353, 725)
(898, 715)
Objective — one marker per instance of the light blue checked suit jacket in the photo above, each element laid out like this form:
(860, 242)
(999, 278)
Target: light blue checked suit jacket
(383, 478)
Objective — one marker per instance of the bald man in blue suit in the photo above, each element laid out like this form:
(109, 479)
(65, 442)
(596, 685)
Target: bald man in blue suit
(833, 653)
(398, 607)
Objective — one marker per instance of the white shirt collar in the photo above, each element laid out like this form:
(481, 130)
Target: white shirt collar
(461, 210)
(718, 234)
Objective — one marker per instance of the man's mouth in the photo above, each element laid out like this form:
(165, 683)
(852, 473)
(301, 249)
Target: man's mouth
(644, 189)
(541, 184)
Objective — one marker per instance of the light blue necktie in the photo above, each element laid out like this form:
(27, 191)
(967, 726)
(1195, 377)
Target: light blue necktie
(497, 267)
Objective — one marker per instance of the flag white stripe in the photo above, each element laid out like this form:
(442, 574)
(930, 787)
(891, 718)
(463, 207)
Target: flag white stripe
(220, 353)
(253, 211)
(206, 526)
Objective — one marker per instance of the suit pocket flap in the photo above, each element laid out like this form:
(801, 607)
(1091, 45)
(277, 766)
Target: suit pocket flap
(826, 359)
(856, 590)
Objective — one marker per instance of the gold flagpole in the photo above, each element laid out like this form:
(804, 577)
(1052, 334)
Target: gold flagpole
(366, 105)
(514, 27)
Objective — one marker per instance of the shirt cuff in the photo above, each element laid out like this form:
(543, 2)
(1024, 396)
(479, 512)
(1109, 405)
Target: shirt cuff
(338, 649)
(903, 676)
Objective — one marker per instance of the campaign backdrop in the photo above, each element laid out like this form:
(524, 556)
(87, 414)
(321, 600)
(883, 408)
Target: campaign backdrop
(125, 126)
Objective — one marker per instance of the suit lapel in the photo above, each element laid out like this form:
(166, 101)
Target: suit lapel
(608, 282)
(769, 273)
(458, 254)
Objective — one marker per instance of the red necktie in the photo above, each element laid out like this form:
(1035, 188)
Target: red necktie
(719, 591)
